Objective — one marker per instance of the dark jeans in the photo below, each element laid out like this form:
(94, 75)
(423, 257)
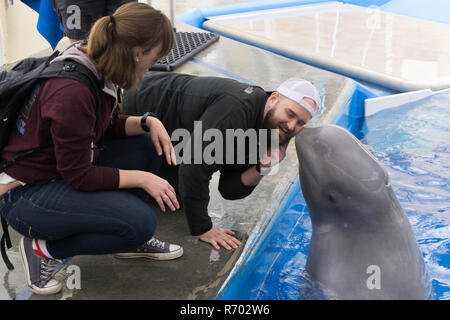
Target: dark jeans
(76, 222)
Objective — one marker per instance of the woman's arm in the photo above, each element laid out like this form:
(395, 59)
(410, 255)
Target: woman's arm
(133, 126)
(157, 187)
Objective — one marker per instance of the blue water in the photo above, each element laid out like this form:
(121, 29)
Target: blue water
(413, 143)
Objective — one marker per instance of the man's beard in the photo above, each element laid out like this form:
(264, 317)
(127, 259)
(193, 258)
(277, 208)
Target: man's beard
(270, 123)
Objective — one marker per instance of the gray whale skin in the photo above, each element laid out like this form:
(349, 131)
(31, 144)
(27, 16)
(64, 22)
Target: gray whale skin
(362, 244)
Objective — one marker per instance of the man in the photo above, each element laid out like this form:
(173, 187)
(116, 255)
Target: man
(183, 101)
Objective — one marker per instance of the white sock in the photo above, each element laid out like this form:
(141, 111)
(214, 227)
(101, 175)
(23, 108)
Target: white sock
(40, 248)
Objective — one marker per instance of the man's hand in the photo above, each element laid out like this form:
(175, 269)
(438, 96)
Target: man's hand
(275, 156)
(223, 237)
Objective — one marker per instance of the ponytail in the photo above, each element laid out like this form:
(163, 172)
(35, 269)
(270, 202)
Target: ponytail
(112, 40)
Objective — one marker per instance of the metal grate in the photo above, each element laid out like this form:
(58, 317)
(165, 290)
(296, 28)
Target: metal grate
(186, 45)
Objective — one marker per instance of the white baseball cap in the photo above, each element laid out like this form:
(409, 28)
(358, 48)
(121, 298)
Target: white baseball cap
(296, 89)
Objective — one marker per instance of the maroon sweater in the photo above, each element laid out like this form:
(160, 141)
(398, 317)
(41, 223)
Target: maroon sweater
(62, 120)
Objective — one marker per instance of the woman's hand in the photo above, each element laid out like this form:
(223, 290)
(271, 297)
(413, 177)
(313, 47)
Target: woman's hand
(161, 191)
(161, 139)
(158, 188)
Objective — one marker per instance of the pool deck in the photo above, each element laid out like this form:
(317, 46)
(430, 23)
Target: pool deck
(201, 271)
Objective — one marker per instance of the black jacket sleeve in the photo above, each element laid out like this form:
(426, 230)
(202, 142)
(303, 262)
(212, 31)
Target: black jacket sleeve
(231, 186)
(194, 189)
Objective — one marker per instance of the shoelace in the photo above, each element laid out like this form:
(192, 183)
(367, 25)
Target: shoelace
(156, 243)
(48, 267)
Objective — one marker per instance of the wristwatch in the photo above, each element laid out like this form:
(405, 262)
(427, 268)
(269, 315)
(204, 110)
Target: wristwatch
(144, 121)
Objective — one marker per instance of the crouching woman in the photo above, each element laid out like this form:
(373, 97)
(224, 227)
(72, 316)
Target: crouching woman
(85, 190)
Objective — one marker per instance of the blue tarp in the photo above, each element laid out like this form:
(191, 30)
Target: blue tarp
(48, 23)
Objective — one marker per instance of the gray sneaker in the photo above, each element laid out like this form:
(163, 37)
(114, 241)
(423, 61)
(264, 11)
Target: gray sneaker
(38, 271)
(154, 249)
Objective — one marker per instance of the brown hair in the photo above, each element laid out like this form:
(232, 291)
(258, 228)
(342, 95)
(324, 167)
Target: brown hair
(112, 40)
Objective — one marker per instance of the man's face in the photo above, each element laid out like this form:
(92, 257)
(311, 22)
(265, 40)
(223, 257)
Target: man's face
(286, 115)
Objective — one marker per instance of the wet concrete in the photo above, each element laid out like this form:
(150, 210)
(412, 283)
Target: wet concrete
(201, 271)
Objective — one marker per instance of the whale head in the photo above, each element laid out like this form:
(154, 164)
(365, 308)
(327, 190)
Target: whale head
(342, 182)
(357, 221)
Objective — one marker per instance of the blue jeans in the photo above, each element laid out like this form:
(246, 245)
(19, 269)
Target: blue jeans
(80, 223)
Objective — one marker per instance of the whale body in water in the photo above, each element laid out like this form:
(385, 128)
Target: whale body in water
(362, 244)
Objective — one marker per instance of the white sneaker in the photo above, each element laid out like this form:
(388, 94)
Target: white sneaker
(38, 271)
(154, 249)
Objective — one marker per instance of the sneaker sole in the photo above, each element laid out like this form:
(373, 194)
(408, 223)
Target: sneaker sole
(36, 290)
(153, 256)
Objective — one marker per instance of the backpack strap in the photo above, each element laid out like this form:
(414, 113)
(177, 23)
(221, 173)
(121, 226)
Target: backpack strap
(5, 243)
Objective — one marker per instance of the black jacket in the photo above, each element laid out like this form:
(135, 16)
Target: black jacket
(220, 103)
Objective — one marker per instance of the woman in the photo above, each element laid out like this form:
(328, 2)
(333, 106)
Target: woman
(76, 196)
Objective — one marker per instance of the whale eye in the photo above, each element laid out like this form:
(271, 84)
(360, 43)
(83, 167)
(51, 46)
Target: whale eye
(331, 198)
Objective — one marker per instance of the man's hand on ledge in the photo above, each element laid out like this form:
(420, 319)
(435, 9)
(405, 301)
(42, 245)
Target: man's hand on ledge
(220, 237)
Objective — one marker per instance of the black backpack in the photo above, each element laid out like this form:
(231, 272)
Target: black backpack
(16, 88)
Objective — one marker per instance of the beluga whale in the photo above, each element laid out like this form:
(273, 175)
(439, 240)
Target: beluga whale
(362, 244)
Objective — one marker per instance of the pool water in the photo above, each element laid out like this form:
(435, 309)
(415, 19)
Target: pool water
(413, 143)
